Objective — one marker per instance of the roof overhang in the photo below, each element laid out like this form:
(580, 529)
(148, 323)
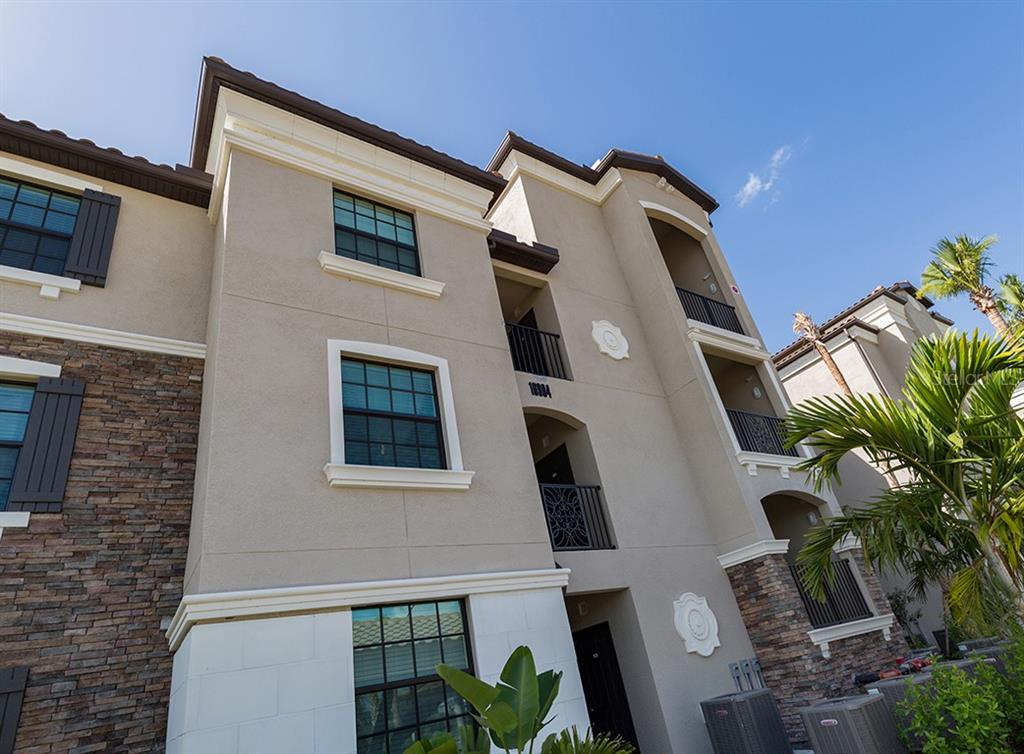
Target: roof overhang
(507, 248)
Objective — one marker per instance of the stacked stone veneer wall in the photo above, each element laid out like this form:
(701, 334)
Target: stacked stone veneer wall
(83, 592)
(794, 668)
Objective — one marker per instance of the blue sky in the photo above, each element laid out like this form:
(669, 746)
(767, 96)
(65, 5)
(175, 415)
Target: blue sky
(870, 129)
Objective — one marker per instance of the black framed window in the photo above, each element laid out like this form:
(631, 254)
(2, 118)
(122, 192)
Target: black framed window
(374, 233)
(399, 696)
(391, 415)
(15, 404)
(36, 225)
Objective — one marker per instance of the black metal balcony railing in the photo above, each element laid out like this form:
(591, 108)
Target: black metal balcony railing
(575, 517)
(709, 311)
(844, 600)
(535, 351)
(757, 433)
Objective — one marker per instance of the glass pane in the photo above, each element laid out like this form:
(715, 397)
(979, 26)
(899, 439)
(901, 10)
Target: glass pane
(357, 452)
(5, 491)
(343, 200)
(5, 208)
(396, 623)
(364, 207)
(12, 426)
(366, 246)
(401, 740)
(352, 371)
(424, 620)
(8, 189)
(378, 398)
(366, 626)
(403, 220)
(428, 655)
(401, 707)
(48, 265)
(380, 429)
(27, 215)
(374, 745)
(369, 666)
(64, 204)
(377, 374)
(451, 617)
(399, 659)
(406, 258)
(344, 218)
(425, 405)
(34, 196)
(431, 728)
(454, 648)
(430, 700)
(353, 396)
(426, 434)
(405, 236)
(355, 427)
(423, 382)
(54, 247)
(430, 458)
(384, 230)
(60, 222)
(8, 457)
(344, 241)
(16, 397)
(365, 224)
(388, 253)
(402, 402)
(383, 213)
(370, 716)
(401, 379)
(405, 432)
(407, 456)
(16, 259)
(382, 455)
(456, 704)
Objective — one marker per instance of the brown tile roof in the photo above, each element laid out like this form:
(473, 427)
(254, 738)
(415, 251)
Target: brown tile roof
(845, 319)
(26, 139)
(619, 158)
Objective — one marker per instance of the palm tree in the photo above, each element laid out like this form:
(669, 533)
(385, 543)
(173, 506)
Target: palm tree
(957, 515)
(804, 326)
(1011, 304)
(960, 265)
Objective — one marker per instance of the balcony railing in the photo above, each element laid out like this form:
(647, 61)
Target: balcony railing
(757, 433)
(575, 517)
(535, 351)
(709, 311)
(844, 601)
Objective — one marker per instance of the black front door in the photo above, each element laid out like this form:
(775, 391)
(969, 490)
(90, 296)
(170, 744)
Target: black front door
(602, 683)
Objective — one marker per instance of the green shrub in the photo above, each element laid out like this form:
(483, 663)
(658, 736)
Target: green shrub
(569, 742)
(1011, 698)
(957, 713)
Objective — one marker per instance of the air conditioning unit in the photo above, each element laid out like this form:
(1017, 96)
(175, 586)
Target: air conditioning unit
(996, 655)
(852, 725)
(893, 691)
(745, 722)
(972, 644)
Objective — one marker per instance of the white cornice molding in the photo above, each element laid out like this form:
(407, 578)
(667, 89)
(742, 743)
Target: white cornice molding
(242, 122)
(45, 176)
(822, 637)
(754, 551)
(517, 163)
(48, 328)
(365, 272)
(26, 368)
(396, 477)
(253, 603)
(13, 520)
(726, 340)
(50, 286)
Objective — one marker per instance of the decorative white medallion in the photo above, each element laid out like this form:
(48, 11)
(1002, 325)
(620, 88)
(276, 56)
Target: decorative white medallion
(610, 339)
(696, 624)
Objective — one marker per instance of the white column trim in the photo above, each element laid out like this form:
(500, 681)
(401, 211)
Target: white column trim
(821, 637)
(754, 551)
(49, 328)
(217, 606)
(13, 520)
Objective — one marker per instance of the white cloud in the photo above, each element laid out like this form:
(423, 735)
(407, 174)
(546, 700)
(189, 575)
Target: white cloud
(764, 182)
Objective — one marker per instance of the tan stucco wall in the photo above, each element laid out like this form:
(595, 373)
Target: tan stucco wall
(158, 279)
(269, 517)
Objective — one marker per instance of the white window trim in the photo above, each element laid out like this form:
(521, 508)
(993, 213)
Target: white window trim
(341, 474)
(365, 272)
(49, 178)
(821, 637)
(29, 371)
(50, 286)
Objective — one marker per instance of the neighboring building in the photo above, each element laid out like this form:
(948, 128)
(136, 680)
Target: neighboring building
(445, 411)
(870, 342)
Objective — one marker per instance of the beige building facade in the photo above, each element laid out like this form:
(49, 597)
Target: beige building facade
(448, 411)
(870, 341)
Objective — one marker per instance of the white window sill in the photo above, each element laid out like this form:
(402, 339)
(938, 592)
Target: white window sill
(753, 460)
(13, 520)
(50, 286)
(396, 478)
(353, 269)
(821, 637)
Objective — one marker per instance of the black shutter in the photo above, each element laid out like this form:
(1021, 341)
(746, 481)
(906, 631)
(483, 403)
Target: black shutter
(41, 472)
(93, 239)
(12, 692)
